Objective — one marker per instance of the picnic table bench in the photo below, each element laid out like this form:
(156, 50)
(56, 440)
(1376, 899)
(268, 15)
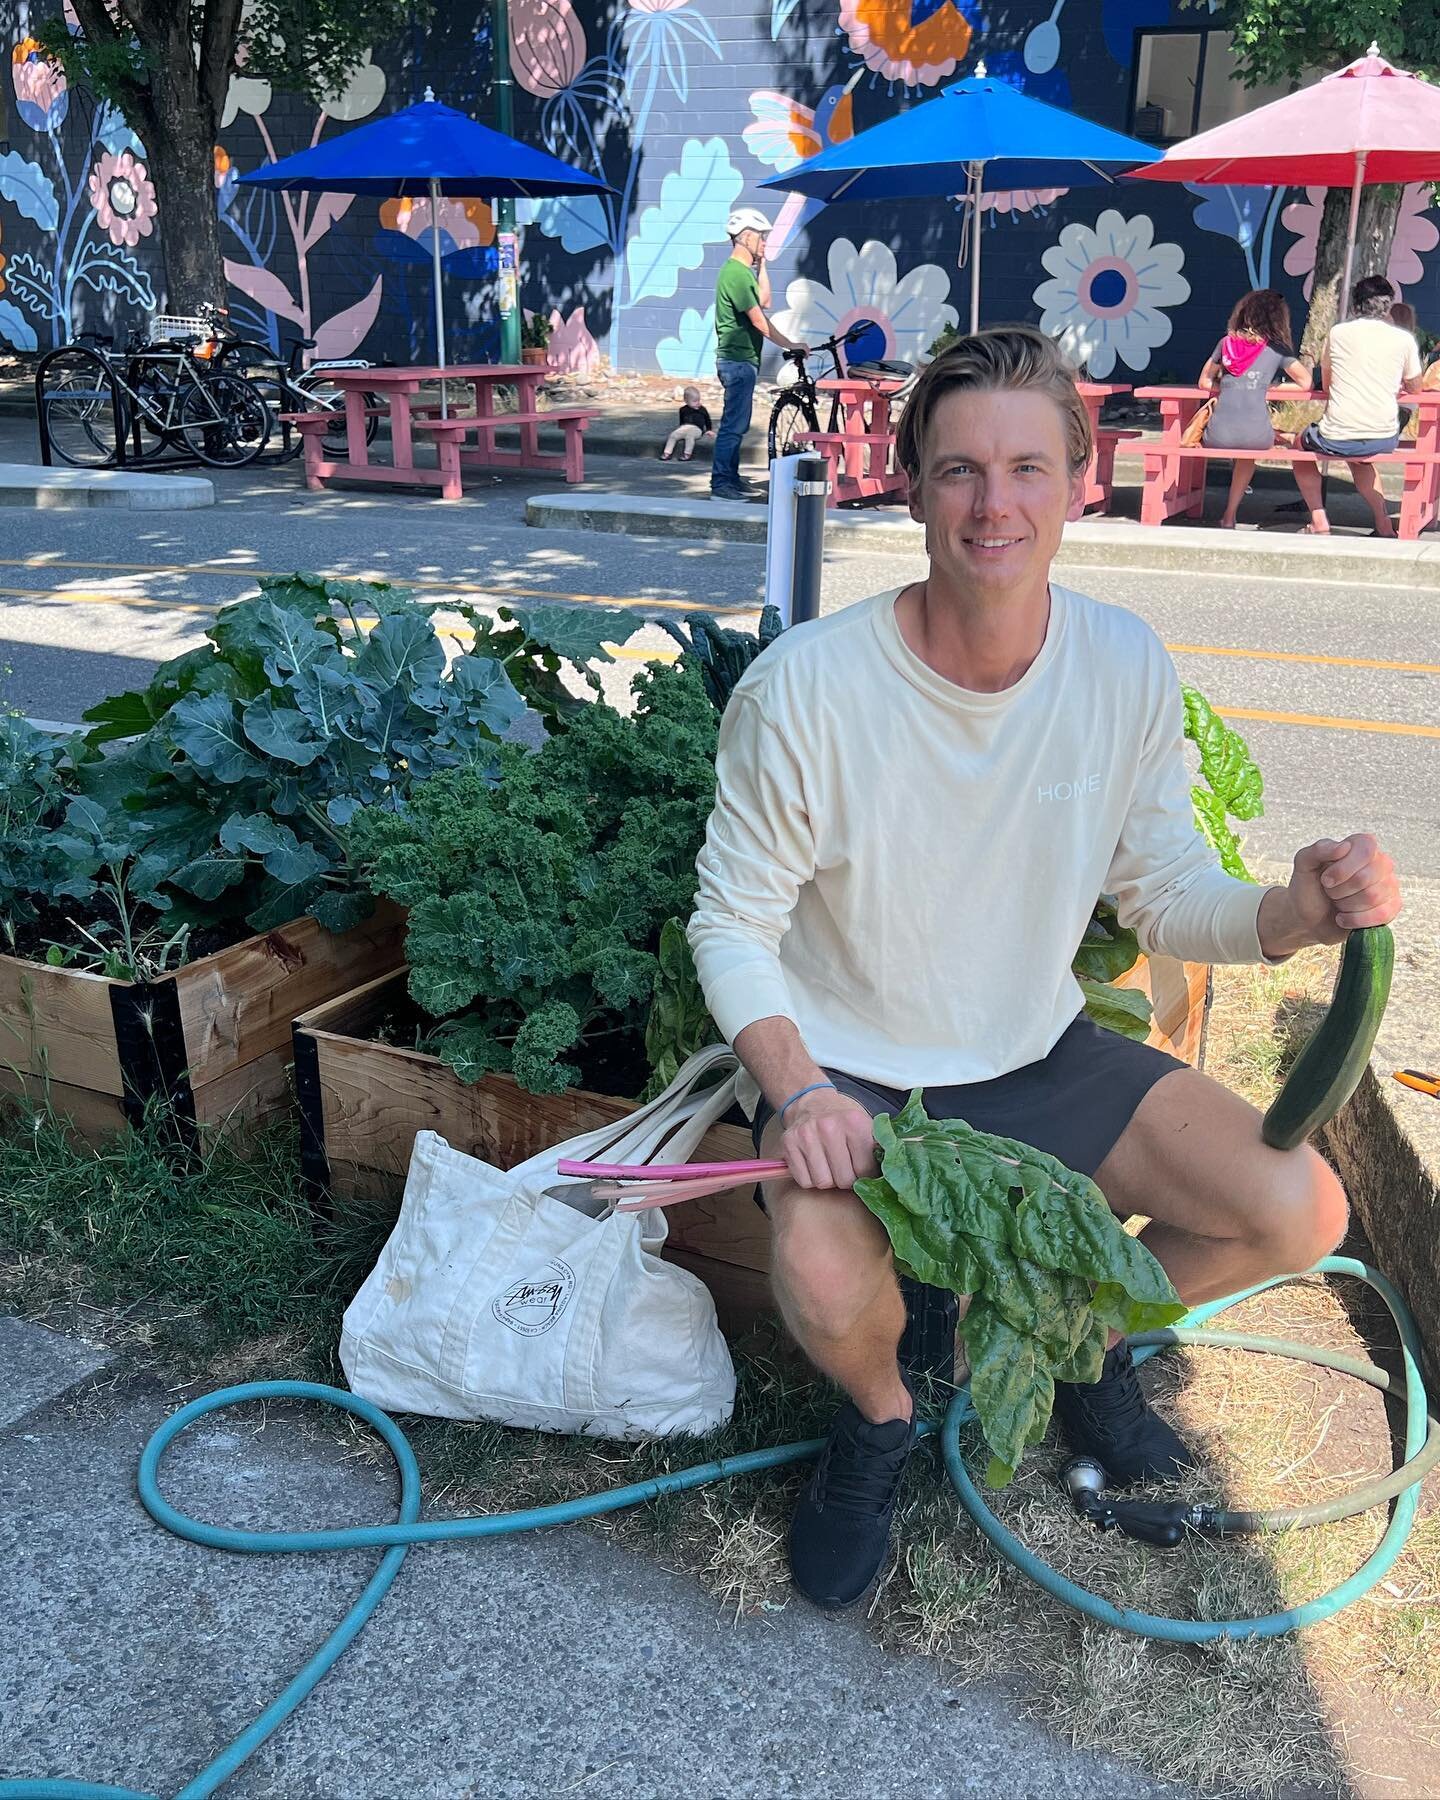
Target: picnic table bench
(1174, 481)
(413, 413)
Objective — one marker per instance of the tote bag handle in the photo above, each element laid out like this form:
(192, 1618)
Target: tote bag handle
(679, 1110)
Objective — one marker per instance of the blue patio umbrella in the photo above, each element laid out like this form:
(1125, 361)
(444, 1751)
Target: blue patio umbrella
(423, 152)
(945, 145)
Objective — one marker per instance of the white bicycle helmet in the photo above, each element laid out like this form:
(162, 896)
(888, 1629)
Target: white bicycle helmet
(746, 218)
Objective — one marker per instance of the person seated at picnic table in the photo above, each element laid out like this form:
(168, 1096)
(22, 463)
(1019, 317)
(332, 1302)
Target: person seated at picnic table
(1366, 361)
(1241, 368)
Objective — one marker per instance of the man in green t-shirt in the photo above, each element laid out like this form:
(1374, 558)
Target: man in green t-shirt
(742, 295)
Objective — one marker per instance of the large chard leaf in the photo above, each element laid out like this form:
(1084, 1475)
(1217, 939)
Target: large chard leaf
(1125, 1010)
(1234, 788)
(1046, 1261)
(1108, 949)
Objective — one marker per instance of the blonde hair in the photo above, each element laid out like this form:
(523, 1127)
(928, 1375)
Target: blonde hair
(1001, 359)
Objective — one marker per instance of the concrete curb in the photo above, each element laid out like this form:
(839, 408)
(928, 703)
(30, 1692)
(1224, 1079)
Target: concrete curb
(1109, 543)
(23, 484)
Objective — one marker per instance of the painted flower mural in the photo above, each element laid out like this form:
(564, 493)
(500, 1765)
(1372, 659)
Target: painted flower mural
(463, 224)
(123, 196)
(1020, 200)
(917, 42)
(865, 283)
(547, 46)
(1108, 290)
(1415, 235)
(42, 97)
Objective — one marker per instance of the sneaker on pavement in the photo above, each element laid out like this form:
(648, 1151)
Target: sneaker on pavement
(1112, 1421)
(840, 1534)
(728, 493)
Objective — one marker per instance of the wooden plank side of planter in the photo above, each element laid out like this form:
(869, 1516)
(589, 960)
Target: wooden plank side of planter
(1178, 993)
(90, 1115)
(238, 1005)
(58, 1023)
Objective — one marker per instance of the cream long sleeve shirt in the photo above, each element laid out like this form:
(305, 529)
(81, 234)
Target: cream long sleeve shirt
(905, 867)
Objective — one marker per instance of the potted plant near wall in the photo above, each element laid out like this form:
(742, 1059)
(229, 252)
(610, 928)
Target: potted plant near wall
(534, 338)
(549, 985)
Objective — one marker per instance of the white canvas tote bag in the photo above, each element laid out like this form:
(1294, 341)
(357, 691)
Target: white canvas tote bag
(491, 1301)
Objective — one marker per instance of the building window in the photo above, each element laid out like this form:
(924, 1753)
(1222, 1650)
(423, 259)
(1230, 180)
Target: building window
(1184, 81)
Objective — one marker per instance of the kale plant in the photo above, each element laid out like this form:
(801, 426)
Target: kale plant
(537, 894)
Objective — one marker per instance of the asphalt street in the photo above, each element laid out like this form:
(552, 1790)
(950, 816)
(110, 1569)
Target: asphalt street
(1337, 688)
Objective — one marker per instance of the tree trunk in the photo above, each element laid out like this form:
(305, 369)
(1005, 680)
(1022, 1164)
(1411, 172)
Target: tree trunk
(183, 168)
(1374, 238)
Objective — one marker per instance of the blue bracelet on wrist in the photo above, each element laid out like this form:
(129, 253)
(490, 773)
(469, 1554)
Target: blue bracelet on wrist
(814, 1087)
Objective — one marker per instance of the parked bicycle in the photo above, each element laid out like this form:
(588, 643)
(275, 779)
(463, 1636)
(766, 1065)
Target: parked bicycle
(290, 386)
(97, 405)
(797, 407)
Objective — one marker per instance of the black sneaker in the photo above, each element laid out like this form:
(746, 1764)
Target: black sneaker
(840, 1533)
(728, 493)
(1111, 1420)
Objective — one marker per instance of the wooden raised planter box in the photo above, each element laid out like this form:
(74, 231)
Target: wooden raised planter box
(212, 1040)
(362, 1102)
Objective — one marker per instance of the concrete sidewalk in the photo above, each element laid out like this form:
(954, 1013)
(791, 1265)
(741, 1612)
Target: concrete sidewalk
(544, 1664)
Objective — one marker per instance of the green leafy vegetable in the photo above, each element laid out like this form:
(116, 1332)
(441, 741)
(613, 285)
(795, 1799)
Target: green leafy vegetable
(1046, 1261)
(722, 656)
(539, 888)
(1233, 783)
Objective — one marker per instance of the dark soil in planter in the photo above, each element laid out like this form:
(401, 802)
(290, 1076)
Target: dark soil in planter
(55, 924)
(613, 1064)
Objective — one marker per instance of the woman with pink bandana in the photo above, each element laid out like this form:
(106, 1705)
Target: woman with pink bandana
(1243, 365)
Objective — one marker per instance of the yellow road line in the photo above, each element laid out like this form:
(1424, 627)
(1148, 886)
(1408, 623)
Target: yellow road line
(238, 572)
(1305, 656)
(1314, 719)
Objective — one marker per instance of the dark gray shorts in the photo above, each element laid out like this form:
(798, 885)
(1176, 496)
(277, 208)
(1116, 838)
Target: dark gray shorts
(1074, 1104)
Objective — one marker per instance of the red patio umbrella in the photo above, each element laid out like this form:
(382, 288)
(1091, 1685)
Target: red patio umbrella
(1367, 122)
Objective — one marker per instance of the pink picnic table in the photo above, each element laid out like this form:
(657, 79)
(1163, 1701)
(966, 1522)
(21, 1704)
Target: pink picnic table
(1100, 475)
(860, 455)
(1175, 482)
(470, 390)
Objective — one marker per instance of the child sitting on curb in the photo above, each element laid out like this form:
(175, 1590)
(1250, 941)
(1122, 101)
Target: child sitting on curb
(694, 424)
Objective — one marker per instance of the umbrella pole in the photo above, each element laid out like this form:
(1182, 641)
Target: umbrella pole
(439, 295)
(1342, 311)
(976, 172)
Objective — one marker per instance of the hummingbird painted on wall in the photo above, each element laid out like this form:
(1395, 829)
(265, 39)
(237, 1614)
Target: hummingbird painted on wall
(786, 133)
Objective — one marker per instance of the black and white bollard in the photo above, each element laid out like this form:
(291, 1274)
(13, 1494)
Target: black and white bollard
(795, 537)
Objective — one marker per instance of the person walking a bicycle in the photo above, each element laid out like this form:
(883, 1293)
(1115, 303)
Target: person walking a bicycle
(742, 300)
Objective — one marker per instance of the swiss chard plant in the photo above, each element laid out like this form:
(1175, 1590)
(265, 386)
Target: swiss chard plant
(1048, 1265)
(1233, 786)
(538, 886)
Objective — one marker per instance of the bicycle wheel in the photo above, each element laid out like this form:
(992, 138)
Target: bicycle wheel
(265, 372)
(329, 396)
(76, 395)
(224, 421)
(790, 415)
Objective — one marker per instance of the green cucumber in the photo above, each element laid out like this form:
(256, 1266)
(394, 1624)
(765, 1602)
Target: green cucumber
(1328, 1070)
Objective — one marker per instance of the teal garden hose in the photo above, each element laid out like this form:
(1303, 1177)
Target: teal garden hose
(1422, 1452)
